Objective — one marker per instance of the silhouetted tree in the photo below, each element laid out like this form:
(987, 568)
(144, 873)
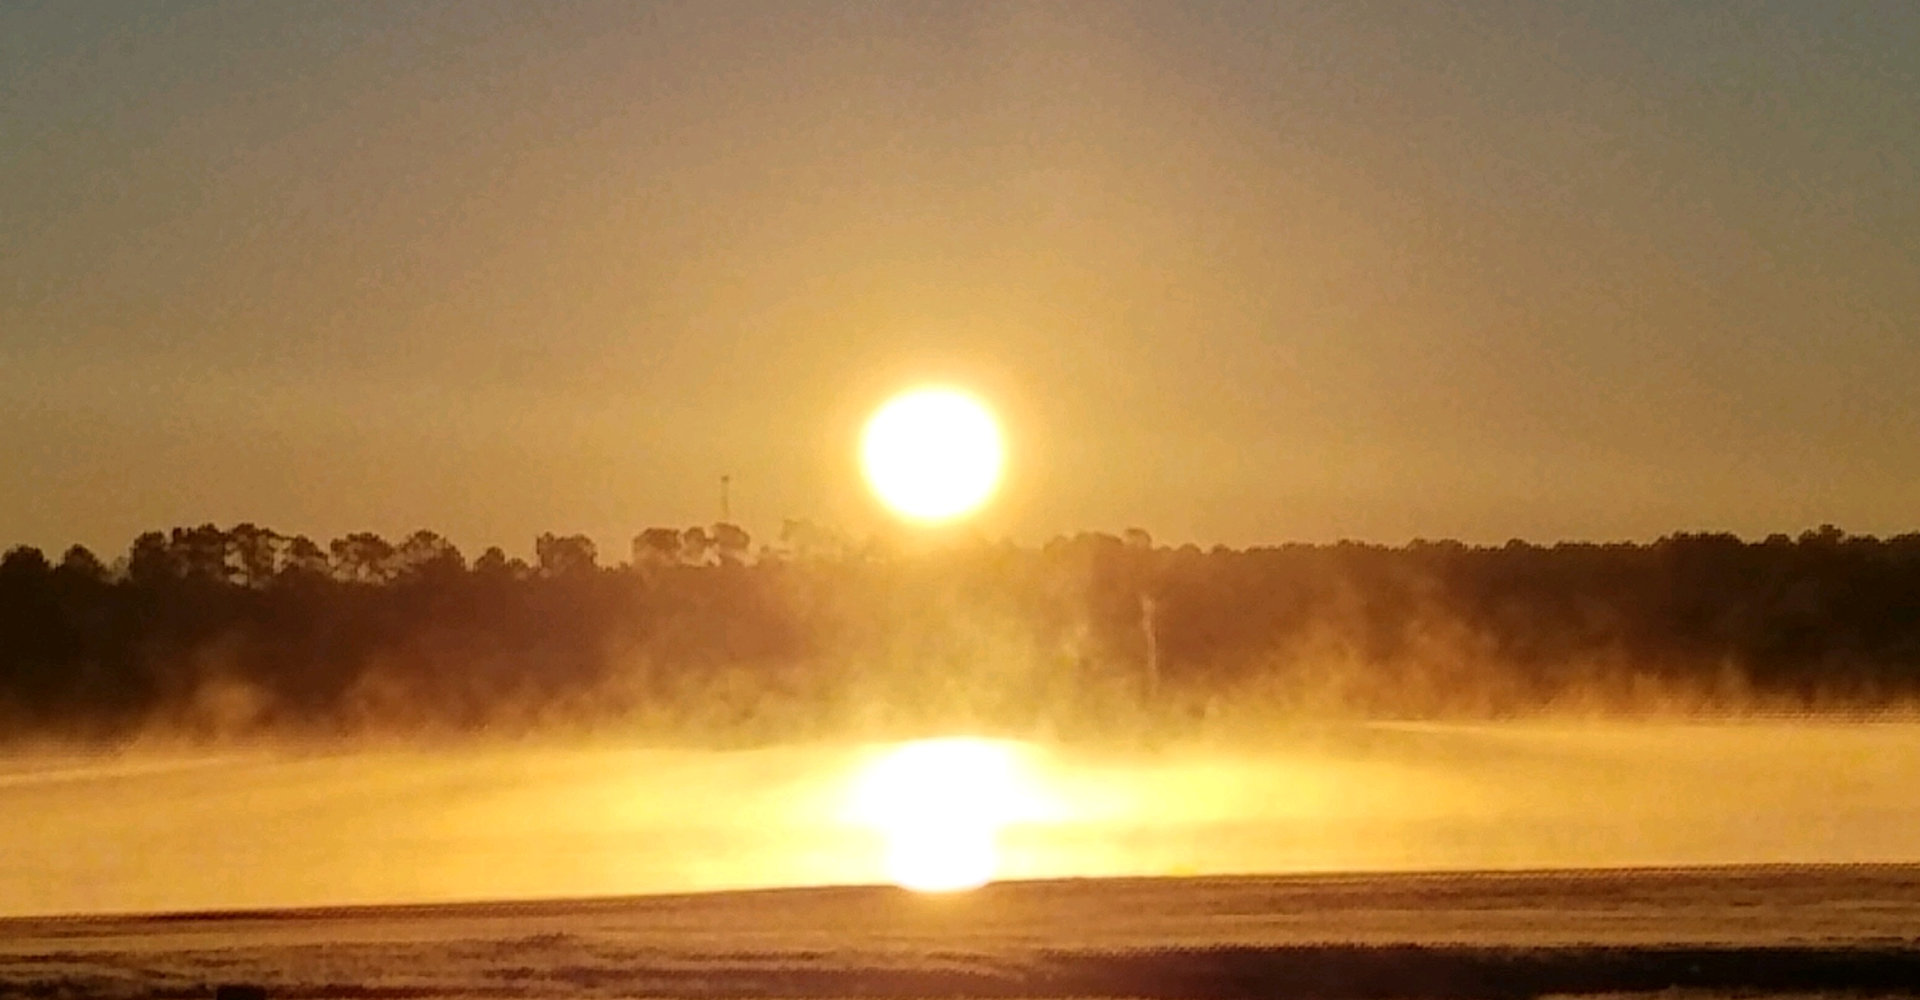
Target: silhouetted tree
(732, 543)
(252, 554)
(305, 558)
(150, 561)
(200, 554)
(24, 565)
(695, 546)
(407, 636)
(493, 563)
(568, 555)
(363, 557)
(80, 562)
(424, 554)
(806, 541)
(656, 547)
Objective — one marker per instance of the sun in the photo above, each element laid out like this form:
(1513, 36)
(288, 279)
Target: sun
(939, 807)
(932, 454)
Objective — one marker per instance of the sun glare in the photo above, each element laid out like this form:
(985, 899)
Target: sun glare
(932, 454)
(939, 807)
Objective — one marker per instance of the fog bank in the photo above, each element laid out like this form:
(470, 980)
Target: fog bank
(145, 832)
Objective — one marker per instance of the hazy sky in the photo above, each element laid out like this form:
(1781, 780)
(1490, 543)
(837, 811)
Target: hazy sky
(1234, 272)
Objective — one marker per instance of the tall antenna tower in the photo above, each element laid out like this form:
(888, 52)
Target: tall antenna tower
(726, 499)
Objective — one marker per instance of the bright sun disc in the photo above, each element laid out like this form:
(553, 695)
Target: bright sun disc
(939, 807)
(932, 454)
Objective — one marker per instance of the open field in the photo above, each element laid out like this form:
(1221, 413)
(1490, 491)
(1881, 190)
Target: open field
(1741, 931)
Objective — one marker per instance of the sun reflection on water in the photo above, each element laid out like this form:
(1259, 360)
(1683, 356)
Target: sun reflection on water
(941, 807)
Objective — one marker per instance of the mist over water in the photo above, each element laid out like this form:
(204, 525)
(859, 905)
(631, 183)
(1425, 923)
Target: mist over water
(260, 828)
(391, 724)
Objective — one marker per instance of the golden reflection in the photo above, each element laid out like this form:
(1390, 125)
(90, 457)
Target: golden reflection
(940, 807)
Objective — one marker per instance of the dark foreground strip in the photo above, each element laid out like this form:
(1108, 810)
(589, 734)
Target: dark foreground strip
(1325, 972)
(1378, 973)
(1358, 973)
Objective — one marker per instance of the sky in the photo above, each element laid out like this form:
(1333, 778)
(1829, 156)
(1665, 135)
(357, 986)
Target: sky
(1231, 272)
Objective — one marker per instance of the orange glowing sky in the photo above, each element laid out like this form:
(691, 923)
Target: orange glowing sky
(1230, 272)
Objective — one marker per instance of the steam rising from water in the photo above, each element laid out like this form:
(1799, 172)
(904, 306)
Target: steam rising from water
(278, 829)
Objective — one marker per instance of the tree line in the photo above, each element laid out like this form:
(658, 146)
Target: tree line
(215, 633)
